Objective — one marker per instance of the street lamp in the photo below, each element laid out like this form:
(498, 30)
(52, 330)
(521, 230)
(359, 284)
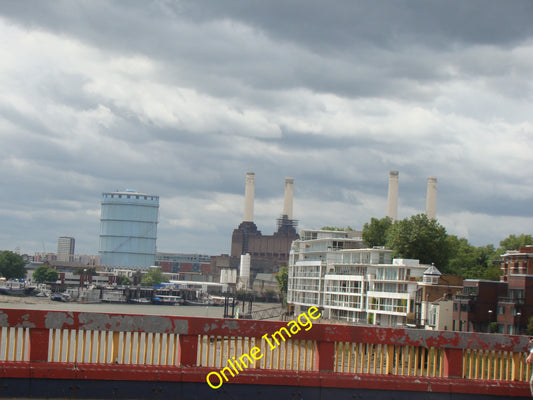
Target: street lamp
(490, 320)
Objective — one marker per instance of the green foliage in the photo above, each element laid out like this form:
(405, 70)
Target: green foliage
(270, 295)
(472, 262)
(336, 228)
(513, 242)
(420, 238)
(153, 277)
(282, 277)
(493, 327)
(45, 273)
(529, 328)
(51, 275)
(137, 277)
(426, 240)
(462, 258)
(11, 265)
(492, 273)
(375, 232)
(124, 281)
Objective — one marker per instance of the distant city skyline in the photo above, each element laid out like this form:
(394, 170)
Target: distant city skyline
(183, 98)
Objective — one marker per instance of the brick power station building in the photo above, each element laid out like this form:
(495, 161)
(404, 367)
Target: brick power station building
(267, 252)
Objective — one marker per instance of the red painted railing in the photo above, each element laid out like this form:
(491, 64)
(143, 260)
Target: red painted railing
(95, 346)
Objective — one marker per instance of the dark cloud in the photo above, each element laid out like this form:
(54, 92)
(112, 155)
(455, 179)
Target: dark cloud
(181, 99)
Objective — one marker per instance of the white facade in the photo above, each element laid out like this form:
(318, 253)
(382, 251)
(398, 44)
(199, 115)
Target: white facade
(392, 197)
(244, 271)
(249, 194)
(288, 197)
(228, 275)
(353, 284)
(431, 198)
(65, 246)
(440, 316)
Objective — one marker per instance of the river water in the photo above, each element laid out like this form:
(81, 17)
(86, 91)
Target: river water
(35, 303)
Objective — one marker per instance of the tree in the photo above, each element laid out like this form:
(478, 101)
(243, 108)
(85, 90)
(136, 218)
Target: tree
(513, 242)
(486, 258)
(472, 262)
(337, 228)
(12, 265)
(375, 232)
(529, 328)
(137, 277)
(153, 277)
(462, 260)
(51, 275)
(123, 280)
(282, 277)
(420, 238)
(44, 273)
(270, 295)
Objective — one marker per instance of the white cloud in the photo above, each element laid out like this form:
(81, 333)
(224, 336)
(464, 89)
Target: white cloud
(183, 103)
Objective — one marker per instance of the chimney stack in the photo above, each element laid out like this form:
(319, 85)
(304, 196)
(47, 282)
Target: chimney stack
(244, 271)
(249, 193)
(287, 200)
(431, 198)
(392, 199)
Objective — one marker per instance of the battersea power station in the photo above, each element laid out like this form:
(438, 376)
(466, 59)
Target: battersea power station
(267, 252)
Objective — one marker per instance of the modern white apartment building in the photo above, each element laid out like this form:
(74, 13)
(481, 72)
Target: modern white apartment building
(65, 248)
(332, 270)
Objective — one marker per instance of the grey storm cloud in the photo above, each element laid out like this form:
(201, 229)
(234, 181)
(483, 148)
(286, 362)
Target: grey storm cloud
(181, 98)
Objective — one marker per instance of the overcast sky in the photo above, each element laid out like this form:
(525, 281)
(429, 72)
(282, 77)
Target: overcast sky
(182, 98)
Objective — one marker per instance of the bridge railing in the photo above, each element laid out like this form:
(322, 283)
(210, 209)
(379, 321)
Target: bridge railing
(36, 337)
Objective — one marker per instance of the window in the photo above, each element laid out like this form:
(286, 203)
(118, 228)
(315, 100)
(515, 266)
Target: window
(388, 305)
(433, 317)
(472, 290)
(388, 274)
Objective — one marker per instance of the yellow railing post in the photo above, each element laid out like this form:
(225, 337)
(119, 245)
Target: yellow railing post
(114, 347)
(516, 367)
(390, 359)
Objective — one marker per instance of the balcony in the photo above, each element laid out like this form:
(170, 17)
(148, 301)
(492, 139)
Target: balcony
(512, 300)
(463, 296)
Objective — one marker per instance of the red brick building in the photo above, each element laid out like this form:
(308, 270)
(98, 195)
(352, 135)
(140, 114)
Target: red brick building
(515, 309)
(509, 302)
(475, 308)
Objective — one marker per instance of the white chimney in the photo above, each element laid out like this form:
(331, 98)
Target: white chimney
(287, 200)
(244, 271)
(249, 193)
(431, 198)
(392, 198)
